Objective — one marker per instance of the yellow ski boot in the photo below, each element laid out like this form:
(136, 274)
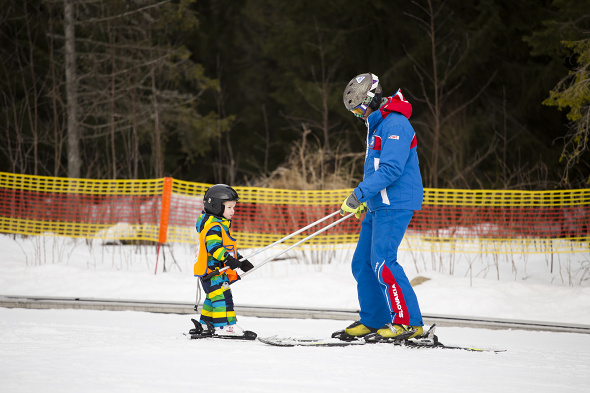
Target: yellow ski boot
(353, 332)
(400, 332)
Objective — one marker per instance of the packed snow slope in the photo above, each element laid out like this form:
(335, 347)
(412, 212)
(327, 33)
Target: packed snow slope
(57, 351)
(98, 351)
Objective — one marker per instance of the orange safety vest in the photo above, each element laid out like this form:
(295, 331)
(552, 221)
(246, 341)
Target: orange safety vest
(201, 268)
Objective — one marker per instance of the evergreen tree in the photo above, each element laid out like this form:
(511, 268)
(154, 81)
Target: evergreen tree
(565, 35)
(573, 92)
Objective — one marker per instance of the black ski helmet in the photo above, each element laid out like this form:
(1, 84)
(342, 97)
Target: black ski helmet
(215, 196)
(362, 92)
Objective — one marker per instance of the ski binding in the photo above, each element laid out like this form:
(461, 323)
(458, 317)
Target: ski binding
(198, 332)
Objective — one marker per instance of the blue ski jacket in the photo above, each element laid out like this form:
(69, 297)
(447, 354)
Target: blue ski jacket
(392, 177)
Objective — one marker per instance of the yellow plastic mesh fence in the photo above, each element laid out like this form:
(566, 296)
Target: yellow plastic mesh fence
(161, 210)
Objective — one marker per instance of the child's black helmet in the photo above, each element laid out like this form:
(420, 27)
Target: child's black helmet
(215, 196)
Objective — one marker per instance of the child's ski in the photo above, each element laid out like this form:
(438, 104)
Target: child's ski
(198, 332)
(248, 335)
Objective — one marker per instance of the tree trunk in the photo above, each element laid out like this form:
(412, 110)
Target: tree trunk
(158, 156)
(74, 160)
(436, 115)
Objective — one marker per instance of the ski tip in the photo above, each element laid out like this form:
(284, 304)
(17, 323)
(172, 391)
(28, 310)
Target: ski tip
(249, 335)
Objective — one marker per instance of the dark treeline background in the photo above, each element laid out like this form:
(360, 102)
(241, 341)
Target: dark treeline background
(250, 92)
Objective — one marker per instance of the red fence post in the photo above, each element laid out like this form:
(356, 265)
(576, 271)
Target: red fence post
(164, 215)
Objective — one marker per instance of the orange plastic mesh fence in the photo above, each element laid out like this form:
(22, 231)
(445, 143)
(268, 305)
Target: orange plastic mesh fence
(479, 221)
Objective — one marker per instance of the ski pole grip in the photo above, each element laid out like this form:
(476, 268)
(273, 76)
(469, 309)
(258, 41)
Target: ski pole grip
(214, 273)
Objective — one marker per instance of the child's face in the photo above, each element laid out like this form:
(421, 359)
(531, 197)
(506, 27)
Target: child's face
(229, 209)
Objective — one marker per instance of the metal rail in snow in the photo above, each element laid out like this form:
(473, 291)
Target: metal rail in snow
(42, 302)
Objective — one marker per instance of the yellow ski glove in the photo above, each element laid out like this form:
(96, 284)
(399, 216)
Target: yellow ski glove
(353, 205)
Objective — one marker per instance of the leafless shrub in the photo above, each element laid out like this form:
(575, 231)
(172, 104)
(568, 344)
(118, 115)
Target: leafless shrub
(310, 167)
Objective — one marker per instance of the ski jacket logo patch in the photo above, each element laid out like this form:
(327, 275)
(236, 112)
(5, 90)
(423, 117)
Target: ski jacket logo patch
(375, 143)
(396, 137)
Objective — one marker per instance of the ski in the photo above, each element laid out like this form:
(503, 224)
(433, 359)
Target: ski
(427, 340)
(307, 342)
(327, 342)
(198, 333)
(248, 336)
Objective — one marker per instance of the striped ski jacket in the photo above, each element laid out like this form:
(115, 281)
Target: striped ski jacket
(217, 252)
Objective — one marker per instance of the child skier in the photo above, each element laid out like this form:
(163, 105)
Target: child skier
(218, 249)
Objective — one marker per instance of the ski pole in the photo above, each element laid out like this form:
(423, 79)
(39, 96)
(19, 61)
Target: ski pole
(216, 272)
(299, 242)
(294, 234)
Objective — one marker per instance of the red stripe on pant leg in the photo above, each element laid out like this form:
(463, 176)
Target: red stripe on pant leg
(396, 298)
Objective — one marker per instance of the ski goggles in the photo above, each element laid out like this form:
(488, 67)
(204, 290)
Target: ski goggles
(361, 109)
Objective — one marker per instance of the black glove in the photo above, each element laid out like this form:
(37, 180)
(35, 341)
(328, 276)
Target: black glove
(232, 262)
(246, 265)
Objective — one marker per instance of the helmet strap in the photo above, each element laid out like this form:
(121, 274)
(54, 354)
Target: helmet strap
(376, 101)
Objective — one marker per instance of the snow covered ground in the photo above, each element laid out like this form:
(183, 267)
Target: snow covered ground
(97, 351)
(103, 351)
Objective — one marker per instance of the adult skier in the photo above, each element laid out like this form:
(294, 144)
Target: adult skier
(391, 190)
